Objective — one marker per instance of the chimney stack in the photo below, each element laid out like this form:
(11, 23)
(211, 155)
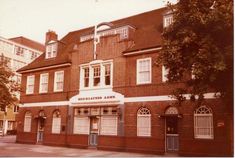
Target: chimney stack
(51, 36)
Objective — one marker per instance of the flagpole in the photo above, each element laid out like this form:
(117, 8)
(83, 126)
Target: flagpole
(95, 41)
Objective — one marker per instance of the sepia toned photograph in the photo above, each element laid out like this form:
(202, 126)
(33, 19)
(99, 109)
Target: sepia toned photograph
(116, 78)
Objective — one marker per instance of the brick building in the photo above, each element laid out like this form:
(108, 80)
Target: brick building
(18, 52)
(99, 87)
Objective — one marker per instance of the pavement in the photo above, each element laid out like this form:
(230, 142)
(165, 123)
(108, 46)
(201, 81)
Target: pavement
(8, 148)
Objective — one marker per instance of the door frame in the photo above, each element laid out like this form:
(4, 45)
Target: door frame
(177, 119)
(90, 131)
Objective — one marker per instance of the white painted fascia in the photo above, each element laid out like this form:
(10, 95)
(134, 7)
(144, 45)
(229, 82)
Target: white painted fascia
(142, 51)
(164, 98)
(57, 103)
(74, 102)
(45, 68)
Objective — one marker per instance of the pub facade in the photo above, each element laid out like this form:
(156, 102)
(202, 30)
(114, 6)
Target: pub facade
(99, 87)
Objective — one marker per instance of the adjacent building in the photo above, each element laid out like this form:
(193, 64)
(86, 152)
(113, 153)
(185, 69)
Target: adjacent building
(100, 87)
(18, 52)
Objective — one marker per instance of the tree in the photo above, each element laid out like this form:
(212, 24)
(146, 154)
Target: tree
(200, 41)
(8, 86)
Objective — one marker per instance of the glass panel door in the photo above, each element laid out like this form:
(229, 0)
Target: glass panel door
(172, 136)
(94, 130)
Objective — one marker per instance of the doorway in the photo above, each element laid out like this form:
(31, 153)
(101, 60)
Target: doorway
(40, 131)
(41, 119)
(172, 136)
(94, 131)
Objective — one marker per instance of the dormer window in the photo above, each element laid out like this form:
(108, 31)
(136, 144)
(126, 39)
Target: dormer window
(123, 31)
(167, 20)
(51, 50)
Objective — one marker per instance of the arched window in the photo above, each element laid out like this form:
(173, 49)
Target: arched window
(27, 121)
(171, 111)
(143, 122)
(203, 123)
(56, 122)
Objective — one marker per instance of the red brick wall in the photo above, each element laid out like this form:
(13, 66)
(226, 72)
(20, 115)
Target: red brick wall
(54, 139)
(50, 95)
(34, 124)
(77, 140)
(26, 137)
(109, 48)
(188, 145)
(111, 143)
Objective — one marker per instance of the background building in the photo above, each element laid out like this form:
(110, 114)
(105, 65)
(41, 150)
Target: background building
(99, 87)
(19, 52)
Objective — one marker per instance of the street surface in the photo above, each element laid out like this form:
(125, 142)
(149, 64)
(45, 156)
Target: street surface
(8, 147)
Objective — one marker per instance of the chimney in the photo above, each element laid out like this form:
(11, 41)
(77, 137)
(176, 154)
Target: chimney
(51, 36)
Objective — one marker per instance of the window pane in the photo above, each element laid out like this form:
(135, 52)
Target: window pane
(56, 124)
(107, 74)
(86, 77)
(108, 125)
(144, 71)
(81, 125)
(96, 76)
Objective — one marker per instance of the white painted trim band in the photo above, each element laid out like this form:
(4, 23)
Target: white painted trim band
(47, 67)
(164, 98)
(58, 103)
(142, 51)
(126, 100)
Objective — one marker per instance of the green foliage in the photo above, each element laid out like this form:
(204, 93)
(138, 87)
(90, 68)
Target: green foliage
(200, 41)
(8, 86)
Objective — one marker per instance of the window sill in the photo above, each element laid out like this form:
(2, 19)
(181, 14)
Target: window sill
(144, 136)
(29, 93)
(58, 91)
(204, 138)
(147, 83)
(43, 93)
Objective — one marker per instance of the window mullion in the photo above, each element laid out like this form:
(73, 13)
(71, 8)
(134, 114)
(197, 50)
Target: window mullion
(102, 75)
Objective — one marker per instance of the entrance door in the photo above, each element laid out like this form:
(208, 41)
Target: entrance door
(94, 130)
(40, 131)
(172, 136)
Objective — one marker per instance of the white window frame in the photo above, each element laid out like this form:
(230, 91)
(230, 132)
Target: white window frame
(91, 75)
(56, 81)
(96, 74)
(193, 76)
(77, 129)
(40, 86)
(28, 84)
(27, 121)
(138, 127)
(138, 71)
(16, 109)
(51, 48)
(56, 123)
(165, 72)
(167, 20)
(115, 126)
(197, 115)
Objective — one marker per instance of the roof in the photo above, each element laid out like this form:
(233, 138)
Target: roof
(149, 25)
(29, 43)
(148, 28)
(39, 62)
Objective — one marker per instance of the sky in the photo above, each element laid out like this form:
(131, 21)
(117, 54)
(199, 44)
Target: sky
(33, 18)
